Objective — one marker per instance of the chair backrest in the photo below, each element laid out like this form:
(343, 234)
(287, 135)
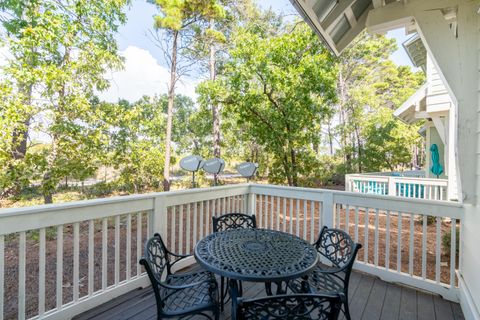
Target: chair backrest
(338, 247)
(156, 261)
(233, 221)
(295, 306)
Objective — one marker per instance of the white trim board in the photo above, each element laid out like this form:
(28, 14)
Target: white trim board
(470, 312)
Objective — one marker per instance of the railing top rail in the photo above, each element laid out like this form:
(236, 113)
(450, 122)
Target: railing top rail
(42, 216)
(406, 205)
(113, 200)
(28, 218)
(367, 178)
(389, 173)
(403, 179)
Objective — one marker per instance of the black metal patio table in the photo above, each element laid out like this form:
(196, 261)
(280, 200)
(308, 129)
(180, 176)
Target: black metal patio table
(256, 255)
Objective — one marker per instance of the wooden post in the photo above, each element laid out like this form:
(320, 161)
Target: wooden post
(392, 186)
(327, 210)
(348, 187)
(159, 217)
(251, 203)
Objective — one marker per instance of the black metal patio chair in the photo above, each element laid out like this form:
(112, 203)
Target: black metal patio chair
(337, 253)
(292, 307)
(231, 221)
(178, 294)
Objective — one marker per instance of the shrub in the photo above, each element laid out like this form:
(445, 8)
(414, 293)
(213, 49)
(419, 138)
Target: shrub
(99, 190)
(447, 240)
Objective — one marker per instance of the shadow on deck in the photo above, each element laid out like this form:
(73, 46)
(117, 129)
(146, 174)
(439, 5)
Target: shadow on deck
(370, 299)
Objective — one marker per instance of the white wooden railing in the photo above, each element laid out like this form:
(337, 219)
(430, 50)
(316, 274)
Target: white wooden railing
(408, 187)
(60, 260)
(415, 256)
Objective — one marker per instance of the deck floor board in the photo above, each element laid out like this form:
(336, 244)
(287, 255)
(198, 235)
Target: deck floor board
(370, 298)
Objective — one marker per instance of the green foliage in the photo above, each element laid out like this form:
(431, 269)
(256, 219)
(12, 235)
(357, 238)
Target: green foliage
(279, 90)
(177, 14)
(387, 142)
(60, 53)
(447, 241)
(282, 99)
(370, 86)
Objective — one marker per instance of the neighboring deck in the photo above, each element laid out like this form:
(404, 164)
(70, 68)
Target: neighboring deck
(370, 299)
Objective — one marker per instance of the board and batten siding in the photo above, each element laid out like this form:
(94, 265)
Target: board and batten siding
(469, 22)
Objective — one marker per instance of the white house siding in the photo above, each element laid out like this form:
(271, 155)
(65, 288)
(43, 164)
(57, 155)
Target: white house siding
(438, 99)
(470, 54)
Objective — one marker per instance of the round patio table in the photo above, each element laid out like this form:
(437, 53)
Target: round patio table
(256, 255)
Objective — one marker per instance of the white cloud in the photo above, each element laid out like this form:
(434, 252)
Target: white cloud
(142, 75)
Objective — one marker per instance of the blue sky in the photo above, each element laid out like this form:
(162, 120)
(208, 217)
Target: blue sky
(144, 73)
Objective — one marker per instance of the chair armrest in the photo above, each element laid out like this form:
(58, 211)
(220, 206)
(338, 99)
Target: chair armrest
(179, 256)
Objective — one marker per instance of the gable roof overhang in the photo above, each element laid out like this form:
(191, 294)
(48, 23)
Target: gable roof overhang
(337, 22)
(410, 110)
(416, 51)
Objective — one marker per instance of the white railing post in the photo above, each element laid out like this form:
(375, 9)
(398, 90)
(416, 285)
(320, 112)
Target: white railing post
(348, 187)
(327, 210)
(159, 222)
(392, 186)
(251, 206)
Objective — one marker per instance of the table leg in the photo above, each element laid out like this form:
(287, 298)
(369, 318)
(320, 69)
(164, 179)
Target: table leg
(268, 288)
(223, 292)
(233, 284)
(282, 287)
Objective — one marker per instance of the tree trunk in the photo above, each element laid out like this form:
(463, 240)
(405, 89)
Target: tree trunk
(287, 168)
(330, 136)
(48, 198)
(215, 109)
(20, 134)
(20, 139)
(294, 168)
(171, 98)
(359, 150)
(344, 120)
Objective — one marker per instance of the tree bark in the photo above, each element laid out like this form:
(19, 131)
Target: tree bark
(215, 108)
(171, 98)
(286, 168)
(20, 139)
(359, 149)
(344, 120)
(330, 137)
(294, 167)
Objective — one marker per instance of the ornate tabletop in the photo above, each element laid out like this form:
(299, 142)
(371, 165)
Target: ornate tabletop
(257, 255)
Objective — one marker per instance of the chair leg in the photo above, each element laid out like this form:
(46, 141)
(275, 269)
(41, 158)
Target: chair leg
(347, 310)
(222, 292)
(217, 313)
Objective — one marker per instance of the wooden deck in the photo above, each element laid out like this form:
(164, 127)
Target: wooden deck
(370, 299)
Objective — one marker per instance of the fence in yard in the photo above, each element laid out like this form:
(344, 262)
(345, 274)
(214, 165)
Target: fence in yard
(59, 260)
